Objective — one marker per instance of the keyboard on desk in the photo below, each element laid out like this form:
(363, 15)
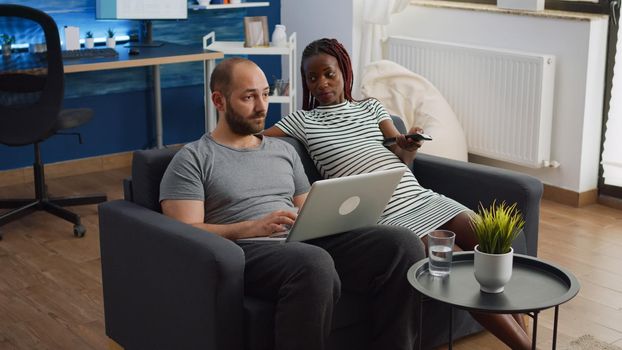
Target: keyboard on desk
(89, 53)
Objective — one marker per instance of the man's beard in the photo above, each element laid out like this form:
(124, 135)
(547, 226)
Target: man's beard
(243, 126)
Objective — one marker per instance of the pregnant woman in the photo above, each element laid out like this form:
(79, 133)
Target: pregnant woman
(345, 137)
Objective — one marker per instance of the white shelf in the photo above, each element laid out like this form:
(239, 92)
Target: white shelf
(279, 99)
(237, 48)
(228, 6)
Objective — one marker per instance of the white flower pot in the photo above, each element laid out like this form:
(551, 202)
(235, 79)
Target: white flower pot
(6, 50)
(492, 271)
(89, 43)
(111, 43)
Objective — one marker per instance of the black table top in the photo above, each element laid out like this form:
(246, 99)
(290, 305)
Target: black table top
(535, 285)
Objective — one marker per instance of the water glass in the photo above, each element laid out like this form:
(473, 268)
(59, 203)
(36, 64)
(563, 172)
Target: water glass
(440, 251)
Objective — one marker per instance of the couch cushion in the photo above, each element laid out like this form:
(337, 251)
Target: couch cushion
(148, 167)
(307, 163)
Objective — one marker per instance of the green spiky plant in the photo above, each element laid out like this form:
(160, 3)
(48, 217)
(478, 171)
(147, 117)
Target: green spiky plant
(110, 33)
(89, 35)
(497, 227)
(7, 39)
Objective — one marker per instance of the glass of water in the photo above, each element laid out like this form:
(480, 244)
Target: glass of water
(440, 251)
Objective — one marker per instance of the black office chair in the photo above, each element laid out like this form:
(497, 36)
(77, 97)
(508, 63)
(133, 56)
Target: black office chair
(31, 97)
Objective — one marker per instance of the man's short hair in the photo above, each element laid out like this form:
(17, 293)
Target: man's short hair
(223, 73)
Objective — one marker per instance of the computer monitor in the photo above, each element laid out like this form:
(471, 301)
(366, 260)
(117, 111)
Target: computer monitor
(144, 10)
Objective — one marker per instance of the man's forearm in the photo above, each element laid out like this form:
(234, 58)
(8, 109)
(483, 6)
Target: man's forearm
(229, 231)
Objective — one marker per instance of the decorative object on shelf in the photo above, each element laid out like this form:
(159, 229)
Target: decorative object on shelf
(279, 36)
(89, 41)
(72, 37)
(528, 5)
(495, 229)
(256, 31)
(7, 42)
(281, 87)
(203, 2)
(235, 1)
(110, 40)
(37, 47)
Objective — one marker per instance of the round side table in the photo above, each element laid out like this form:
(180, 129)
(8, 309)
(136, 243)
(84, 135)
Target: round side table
(535, 286)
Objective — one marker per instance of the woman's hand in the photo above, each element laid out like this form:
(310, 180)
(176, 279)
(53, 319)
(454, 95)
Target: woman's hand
(409, 145)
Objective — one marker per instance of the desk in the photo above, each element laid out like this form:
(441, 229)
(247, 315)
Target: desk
(149, 56)
(154, 57)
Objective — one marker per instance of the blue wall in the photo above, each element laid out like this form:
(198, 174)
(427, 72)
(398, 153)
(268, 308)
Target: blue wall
(122, 98)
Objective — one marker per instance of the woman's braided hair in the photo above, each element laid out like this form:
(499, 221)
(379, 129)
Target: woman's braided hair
(330, 47)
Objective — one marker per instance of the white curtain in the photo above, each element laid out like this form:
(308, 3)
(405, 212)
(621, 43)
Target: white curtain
(612, 152)
(376, 16)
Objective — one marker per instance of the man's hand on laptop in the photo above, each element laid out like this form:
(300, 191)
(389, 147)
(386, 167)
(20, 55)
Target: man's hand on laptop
(277, 221)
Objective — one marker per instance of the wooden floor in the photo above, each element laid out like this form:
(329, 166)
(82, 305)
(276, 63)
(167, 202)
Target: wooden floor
(50, 282)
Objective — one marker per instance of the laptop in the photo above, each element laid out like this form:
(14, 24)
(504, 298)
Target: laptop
(339, 205)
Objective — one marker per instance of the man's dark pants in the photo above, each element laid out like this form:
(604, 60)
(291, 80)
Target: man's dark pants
(305, 281)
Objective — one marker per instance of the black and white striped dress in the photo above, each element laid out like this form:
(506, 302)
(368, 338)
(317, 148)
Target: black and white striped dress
(345, 139)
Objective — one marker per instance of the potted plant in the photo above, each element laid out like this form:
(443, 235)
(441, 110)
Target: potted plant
(495, 229)
(7, 41)
(89, 41)
(110, 40)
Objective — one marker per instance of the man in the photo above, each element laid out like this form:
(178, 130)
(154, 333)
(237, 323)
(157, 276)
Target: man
(236, 183)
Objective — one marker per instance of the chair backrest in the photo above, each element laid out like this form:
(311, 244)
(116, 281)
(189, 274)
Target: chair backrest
(148, 167)
(31, 83)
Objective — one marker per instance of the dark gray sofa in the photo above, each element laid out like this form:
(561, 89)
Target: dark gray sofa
(168, 285)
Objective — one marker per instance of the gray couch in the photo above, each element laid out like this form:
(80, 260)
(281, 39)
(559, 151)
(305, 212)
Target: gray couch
(168, 285)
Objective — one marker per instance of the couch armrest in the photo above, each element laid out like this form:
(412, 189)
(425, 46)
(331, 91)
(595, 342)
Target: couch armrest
(470, 184)
(168, 285)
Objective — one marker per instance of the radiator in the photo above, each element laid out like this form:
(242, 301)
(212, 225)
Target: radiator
(503, 99)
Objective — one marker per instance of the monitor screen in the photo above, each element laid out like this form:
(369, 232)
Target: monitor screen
(141, 9)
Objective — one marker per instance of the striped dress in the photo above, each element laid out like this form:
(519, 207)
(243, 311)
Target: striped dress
(345, 139)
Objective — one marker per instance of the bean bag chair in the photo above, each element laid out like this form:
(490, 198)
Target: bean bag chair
(418, 103)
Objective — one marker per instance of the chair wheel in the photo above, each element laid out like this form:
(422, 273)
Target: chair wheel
(79, 231)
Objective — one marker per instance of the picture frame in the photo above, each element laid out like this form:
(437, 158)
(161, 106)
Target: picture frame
(256, 31)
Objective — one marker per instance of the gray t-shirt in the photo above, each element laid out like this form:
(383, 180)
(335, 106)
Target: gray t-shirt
(235, 184)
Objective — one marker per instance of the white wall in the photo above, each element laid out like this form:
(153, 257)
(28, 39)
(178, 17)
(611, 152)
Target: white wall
(579, 46)
(312, 20)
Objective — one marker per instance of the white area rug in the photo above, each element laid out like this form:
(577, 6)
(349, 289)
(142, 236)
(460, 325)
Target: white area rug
(588, 342)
